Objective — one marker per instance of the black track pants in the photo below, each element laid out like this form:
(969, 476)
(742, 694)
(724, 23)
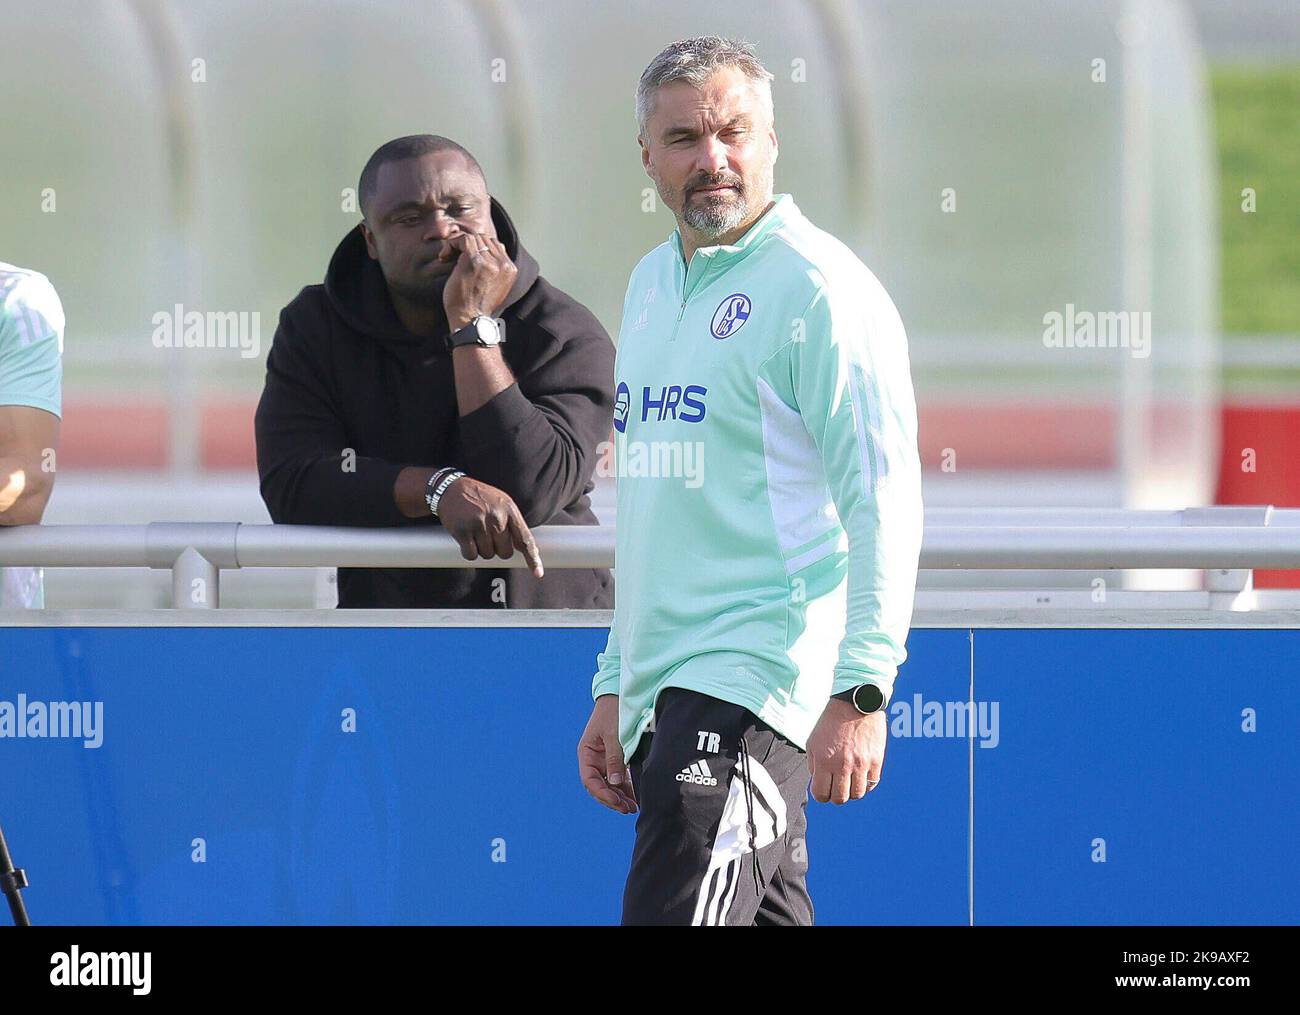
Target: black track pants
(712, 780)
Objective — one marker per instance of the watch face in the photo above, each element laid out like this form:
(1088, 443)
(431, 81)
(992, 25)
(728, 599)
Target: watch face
(869, 698)
(488, 331)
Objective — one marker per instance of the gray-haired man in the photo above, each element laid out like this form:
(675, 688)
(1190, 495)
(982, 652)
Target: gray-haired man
(761, 614)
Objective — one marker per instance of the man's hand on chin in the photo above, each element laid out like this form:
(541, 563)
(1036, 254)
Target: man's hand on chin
(846, 752)
(481, 279)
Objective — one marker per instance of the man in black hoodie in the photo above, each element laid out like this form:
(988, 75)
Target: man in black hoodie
(437, 379)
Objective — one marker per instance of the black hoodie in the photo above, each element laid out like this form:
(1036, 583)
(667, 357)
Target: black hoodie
(352, 397)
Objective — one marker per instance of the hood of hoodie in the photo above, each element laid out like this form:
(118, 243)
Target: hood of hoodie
(356, 289)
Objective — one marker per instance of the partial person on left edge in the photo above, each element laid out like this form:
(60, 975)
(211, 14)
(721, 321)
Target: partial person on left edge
(31, 409)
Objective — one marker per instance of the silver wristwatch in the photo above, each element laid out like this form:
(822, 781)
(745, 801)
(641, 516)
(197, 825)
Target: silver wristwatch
(482, 331)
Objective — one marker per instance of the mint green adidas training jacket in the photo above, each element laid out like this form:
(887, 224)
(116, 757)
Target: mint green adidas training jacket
(768, 481)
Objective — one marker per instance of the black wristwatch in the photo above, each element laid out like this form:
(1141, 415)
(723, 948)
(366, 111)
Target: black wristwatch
(866, 698)
(483, 330)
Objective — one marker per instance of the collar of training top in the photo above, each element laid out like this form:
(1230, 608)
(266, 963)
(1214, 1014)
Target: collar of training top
(783, 209)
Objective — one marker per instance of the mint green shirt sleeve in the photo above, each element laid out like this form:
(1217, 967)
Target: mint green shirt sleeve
(851, 380)
(31, 346)
(608, 667)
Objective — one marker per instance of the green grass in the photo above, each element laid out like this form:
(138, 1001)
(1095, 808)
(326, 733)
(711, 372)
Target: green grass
(1257, 128)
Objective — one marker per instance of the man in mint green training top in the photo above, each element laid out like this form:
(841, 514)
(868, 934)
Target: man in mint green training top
(769, 516)
(31, 405)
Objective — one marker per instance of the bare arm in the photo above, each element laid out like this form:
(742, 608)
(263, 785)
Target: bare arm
(28, 440)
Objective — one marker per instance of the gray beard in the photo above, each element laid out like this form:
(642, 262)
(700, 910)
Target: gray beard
(714, 219)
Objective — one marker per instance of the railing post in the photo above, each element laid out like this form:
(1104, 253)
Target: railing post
(196, 582)
(195, 553)
(1230, 588)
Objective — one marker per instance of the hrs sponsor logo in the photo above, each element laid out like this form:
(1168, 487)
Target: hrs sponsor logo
(683, 403)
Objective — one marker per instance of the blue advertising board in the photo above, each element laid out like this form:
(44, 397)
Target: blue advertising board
(428, 775)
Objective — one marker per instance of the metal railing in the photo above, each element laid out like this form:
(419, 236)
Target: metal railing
(1229, 542)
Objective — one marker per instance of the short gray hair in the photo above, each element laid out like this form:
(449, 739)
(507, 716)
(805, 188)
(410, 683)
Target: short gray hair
(696, 60)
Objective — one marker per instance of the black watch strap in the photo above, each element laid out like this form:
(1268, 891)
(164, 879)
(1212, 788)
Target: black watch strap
(469, 335)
